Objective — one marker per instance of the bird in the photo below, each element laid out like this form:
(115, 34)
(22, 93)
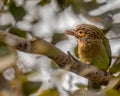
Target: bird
(93, 46)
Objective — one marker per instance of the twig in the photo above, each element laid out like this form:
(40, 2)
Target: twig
(116, 37)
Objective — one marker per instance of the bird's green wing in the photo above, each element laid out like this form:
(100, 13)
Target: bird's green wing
(107, 46)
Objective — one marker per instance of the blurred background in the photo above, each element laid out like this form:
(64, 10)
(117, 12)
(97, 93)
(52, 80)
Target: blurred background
(48, 19)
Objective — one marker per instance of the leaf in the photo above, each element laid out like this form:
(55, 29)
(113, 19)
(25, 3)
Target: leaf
(17, 12)
(50, 92)
(7, 2)
(58, 37)
(5, 27)
(35, 21)
(112, 92)
(44, 2)
(18, 32)
(31, 87)
(62, 3)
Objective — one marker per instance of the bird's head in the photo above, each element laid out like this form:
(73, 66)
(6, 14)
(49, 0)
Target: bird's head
(86, 32)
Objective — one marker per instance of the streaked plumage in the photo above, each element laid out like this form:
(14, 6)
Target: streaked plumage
(93, 46)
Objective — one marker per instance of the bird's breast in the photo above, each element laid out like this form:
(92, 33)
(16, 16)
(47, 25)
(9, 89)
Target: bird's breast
(86, 50)
(94, 53)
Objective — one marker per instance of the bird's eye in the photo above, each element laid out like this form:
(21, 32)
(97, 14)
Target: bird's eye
(81, 33)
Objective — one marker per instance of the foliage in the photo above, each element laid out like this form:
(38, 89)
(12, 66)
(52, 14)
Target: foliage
(18, 32)
(79, 7)
(50, 92)
(17, 12)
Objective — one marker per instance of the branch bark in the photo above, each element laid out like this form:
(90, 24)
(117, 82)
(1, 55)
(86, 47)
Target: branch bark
(64, 61)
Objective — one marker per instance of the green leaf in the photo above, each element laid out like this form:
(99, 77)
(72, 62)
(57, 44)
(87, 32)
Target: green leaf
(50, 92)
(58, 37)
(44, 2)
(31, 87)
(5, 27)
(112, 92)
(17, 12)
(7, 2)
(62, 3)
(18, 32)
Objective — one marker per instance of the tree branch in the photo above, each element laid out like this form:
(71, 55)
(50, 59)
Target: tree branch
(64, 61)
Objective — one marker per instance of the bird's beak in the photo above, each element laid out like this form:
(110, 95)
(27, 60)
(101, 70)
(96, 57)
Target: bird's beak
(71, 32)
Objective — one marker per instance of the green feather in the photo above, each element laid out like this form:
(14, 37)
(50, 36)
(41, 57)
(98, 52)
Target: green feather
(107, 47)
